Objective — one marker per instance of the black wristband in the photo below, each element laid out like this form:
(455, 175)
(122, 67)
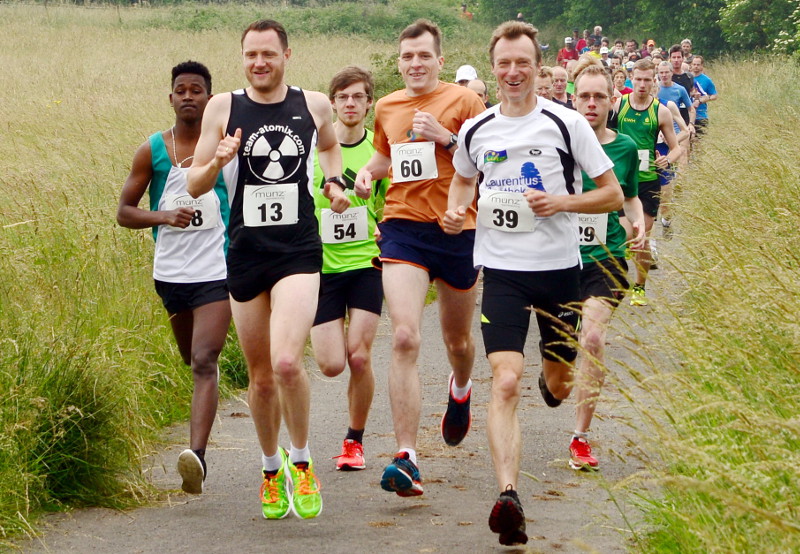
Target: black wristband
(338, 180)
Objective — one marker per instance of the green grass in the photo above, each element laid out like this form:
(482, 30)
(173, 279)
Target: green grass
(729, 460)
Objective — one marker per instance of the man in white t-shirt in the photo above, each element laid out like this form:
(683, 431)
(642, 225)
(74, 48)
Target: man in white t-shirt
(530, 152)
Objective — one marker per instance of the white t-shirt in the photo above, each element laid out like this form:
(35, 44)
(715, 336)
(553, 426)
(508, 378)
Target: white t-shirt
(517, 153)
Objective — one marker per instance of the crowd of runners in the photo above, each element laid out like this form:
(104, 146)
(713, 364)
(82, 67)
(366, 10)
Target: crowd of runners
(268, 210)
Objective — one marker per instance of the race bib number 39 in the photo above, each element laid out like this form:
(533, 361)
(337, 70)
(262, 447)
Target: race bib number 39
(349, 226)
(414, 161)
(269, 205)
(205, 210)
(592, 229)
(506, 211)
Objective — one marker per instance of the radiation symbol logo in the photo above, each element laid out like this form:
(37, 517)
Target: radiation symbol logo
(274, 156)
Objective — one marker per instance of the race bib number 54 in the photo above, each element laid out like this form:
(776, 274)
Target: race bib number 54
(349, 226)
(414, 161)
(269, 205)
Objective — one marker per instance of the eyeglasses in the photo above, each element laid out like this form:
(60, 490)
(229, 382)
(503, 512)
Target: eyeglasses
(357, 97)
(585, 96)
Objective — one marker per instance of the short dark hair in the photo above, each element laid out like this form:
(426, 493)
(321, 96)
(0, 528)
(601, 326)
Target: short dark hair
(511, 30)
(419, 28)
(675, 48)
(195, 68)
(351, 75)
(267, 25)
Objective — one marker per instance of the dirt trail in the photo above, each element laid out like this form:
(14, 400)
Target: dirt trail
(567, 511)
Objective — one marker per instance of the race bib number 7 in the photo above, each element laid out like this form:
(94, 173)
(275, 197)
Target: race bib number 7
(506, 211)
(270, 205)
(414, 161)
(592, 229)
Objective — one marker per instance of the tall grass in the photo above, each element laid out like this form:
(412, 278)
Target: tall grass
(727, 440)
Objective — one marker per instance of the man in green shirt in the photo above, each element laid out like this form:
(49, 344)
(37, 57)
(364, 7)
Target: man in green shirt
(350, 285)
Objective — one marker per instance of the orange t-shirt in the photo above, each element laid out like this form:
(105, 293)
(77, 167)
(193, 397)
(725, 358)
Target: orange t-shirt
(423, 200)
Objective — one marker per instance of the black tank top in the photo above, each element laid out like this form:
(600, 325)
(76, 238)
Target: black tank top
(277, 150)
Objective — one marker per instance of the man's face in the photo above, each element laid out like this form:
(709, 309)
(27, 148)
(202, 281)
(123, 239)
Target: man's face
(665, 75)
(189, 97)
(419, 64)
(619, 81)
(569, 45)
(479, 87)
(676, 59)
(544, 87)
(616, 63)
(591, 99)
(515, 67)
(351, 104)
(697, 65)
(630, 46)
(642, 82)
(687, 48)
(264, 60)
(559, 81)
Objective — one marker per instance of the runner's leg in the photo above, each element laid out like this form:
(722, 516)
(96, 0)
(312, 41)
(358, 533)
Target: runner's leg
(361, 330)
(502, 424)
(455, 315)
(591, 371)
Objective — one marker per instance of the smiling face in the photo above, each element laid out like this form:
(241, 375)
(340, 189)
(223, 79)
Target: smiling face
(419, 64)
(189, 97)
(351, 104)
(515, 67)
(264, 60)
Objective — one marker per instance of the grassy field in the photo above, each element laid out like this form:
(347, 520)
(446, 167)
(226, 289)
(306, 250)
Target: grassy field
(88, 371)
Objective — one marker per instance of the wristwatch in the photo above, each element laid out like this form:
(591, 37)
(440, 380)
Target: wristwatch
(453, 141)
(338, 180)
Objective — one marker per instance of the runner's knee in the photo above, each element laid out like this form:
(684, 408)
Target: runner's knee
(358, 360)
(287, 368)
(593, 341)
(204, 362)
(406, 339)
(505, 386)
(460, 346)
(331, 368)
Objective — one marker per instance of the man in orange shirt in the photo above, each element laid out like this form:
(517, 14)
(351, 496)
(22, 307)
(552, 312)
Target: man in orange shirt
(415, 138)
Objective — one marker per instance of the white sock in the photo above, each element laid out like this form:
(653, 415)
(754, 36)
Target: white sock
(412, 454)
(299, 454)
(460, 393)
(581, 435)
(271, 463)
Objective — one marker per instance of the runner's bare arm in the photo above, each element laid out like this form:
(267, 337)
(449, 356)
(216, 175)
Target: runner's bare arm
(214, 149)
(129, 214)
(328, 149)
(605, 198)
(376, 168)
(665, 126)
(461, 195)
(678, 119)
(635, 214)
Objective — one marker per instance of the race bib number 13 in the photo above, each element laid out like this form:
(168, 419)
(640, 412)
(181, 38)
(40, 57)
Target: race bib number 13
(270, 205)
(414, 161)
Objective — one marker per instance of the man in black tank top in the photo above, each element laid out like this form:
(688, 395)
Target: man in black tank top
(263, 139)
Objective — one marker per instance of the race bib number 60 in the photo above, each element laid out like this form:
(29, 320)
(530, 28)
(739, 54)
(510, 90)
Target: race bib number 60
(414, 161)
(270, 205)
(506, 211)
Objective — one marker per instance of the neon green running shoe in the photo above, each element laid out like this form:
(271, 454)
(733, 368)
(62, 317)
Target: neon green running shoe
(638, 297)
(276, 490)
(306, 500)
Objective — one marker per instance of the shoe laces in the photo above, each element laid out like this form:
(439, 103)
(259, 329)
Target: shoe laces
(272, 487)
(305, 477)
(581, 447)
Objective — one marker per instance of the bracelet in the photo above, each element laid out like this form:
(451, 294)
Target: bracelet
(337, 180)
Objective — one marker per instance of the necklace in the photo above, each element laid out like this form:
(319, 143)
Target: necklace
(175, 150)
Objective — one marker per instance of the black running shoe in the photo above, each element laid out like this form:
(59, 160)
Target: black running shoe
(507, 519)
(457, 419)
(549, 399)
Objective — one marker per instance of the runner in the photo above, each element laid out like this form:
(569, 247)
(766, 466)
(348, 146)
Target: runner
(705, 92)
(269, 131)
(189, 261)
(641, 117)
(350, 286)
(603, 241)
(529, 152)
(415, 136)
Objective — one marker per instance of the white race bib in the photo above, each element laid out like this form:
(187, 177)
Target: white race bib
(349, 226)
(269, 205)
(644, 160)
(206, 214)
(414, 161)
(506, 211)
(592, 228)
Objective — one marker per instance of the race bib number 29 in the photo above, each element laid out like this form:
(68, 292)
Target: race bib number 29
(270, 205)
(414, 161)
(592, 229)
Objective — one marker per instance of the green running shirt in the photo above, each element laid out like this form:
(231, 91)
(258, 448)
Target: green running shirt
(642, 127)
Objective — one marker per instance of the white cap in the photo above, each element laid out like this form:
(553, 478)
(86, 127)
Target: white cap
(604, 50)
(466, 73)
(568, 40)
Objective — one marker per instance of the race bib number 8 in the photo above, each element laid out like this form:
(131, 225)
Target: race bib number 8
(349, 226)
(592, 229)
(506, 211)
(206, 213)
(270, 205)
(414, 161)
(644, 160)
